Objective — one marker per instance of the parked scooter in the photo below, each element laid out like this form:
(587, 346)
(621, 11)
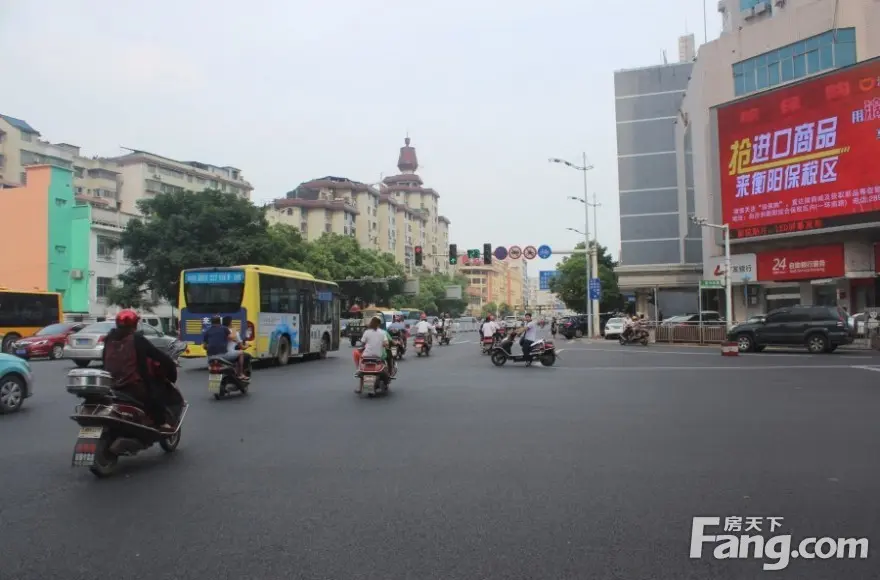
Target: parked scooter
(113, 424)
(542, 350)
(421, 345)
(223, 377)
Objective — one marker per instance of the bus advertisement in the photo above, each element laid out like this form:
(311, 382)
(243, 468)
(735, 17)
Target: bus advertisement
(279, 313)
(24, 312)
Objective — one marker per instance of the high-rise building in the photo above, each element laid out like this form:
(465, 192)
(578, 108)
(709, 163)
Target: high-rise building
(500, 282)
(657, 247)
(779, 116)
(394, 217)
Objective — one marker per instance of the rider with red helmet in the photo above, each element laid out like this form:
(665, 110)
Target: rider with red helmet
(131, 359)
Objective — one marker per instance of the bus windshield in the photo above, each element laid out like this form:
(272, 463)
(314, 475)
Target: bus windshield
(212, 292)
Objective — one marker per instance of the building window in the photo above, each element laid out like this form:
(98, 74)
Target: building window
(102, 286)
(105, 247)
(795, 61)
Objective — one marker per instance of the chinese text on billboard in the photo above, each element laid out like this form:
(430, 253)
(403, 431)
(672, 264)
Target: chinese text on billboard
(795, 157)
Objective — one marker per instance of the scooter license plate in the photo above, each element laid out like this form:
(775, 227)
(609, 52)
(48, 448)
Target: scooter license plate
(394, 351)
(214, 382)
(90, 432)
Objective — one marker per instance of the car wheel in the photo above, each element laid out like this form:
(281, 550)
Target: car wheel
(745, 343)
(8, 341)
(578, 333)
(12, 392)
(283, 351)
(817, 343)
(57, 352)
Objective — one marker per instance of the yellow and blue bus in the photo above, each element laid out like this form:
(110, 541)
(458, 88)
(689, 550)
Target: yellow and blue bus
(24, 312)
(280, 313)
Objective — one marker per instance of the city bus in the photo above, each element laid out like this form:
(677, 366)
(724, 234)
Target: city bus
(24, 312)
(280, 313)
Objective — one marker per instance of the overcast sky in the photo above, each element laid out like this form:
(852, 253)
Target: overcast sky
(293, 90)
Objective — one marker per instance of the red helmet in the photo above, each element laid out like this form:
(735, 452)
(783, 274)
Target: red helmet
(127, 318)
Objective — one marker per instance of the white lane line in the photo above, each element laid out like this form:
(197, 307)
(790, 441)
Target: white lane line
(865, 368)
(461, 341)
(714, 368)
(650, 350)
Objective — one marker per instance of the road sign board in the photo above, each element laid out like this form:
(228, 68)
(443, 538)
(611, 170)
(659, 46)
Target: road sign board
(544, 277)
(500, 253)
(515, 252)
(544, 251)
(595, 289)
(530, 253)
(711, 283)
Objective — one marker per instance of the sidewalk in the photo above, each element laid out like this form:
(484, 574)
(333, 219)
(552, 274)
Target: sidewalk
(850, 348)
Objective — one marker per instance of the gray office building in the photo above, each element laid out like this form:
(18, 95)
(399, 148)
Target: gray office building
(659, 249)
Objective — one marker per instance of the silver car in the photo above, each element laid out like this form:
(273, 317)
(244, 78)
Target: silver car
(87, 345)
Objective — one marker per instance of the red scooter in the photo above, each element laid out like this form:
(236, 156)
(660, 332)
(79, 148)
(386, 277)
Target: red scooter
(374, 376)
(421, 345)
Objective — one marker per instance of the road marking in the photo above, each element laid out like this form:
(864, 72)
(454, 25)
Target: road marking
(650, 350)
(461, 341)
(714, 368)
(866, 368)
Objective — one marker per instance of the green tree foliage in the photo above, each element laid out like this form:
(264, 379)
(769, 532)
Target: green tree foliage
(489, 308)
(432, 295)
(571, 283)
(504, 309)
(188, 230)
(213, 229)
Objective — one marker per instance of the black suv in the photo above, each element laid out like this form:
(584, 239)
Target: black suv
(818, 328)
(576, 326)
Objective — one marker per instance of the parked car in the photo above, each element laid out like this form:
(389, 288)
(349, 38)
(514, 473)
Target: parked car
(16, 383)
(47, 342)
(818, 328)
(614, 328)
(87, 345)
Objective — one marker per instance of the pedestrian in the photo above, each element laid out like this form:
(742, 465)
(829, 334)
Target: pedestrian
(553, 328)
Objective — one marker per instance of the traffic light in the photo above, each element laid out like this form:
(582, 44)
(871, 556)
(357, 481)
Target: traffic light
(418, 256)
(453, 254)
(487, 253)
(473, 254)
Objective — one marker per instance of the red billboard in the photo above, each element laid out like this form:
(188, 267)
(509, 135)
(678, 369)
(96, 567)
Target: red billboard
(809, 263)
(804, 156)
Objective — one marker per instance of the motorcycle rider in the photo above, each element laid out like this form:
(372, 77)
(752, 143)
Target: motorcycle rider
(235, 348)
(133, 360)
(376, 344)
(397, 331)
(424, 327)
(530, 335)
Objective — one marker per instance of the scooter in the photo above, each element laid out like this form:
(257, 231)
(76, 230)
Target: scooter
(114, 424)
(175, 349)
(444, 336)
(421, 345)
(636, 336)
(398, 346)
(488, 343)
(223, 377)
(542, 350)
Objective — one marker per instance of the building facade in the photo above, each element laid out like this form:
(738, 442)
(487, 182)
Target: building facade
(500, 282)
(658, 248)
(104, 194)
(393, 216)
(778, 129)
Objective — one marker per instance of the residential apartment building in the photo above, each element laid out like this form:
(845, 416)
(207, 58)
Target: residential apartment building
(543, 301)
(394, 217)
(106, 191)
(500, 282)
(658, 248)
(792, 82)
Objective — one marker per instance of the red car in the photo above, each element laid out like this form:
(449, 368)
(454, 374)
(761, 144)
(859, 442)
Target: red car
(47, 342)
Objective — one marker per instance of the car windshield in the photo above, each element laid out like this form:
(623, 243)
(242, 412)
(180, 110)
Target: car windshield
(615, 321)
(53, 329)
(99, 328)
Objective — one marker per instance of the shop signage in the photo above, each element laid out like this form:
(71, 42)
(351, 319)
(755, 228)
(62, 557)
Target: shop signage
(803, 156)
(810, 263)
(742, 266)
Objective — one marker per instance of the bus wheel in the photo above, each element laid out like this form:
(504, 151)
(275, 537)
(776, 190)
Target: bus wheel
(283, 351)
(325, 346)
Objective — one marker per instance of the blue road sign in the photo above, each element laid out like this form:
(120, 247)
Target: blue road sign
(544, 277)
(500, 253)
(595, 289)
(544, 251)
(630, 297)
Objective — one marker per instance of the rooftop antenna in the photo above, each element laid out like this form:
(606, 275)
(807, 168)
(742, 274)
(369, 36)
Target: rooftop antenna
(705, 24)
(665, 61)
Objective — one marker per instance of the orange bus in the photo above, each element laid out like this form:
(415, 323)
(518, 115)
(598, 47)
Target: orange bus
(24, 312)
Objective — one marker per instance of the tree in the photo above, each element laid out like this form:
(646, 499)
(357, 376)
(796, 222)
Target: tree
(489, 308)
(188, 230)
(571, 283)
(504, 309)
(432, 295)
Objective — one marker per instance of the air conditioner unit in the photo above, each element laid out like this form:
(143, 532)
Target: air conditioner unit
(76, 274)
(762, 7)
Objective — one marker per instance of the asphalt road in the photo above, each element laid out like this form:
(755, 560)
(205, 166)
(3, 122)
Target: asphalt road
(591, 469)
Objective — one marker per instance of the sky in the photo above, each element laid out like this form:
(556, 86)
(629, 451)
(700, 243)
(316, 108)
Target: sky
(291, 90)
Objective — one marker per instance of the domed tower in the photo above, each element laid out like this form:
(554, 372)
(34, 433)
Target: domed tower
(407, 163)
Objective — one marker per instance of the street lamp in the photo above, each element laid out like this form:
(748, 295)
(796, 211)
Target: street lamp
(725, 229)
(583, 169)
